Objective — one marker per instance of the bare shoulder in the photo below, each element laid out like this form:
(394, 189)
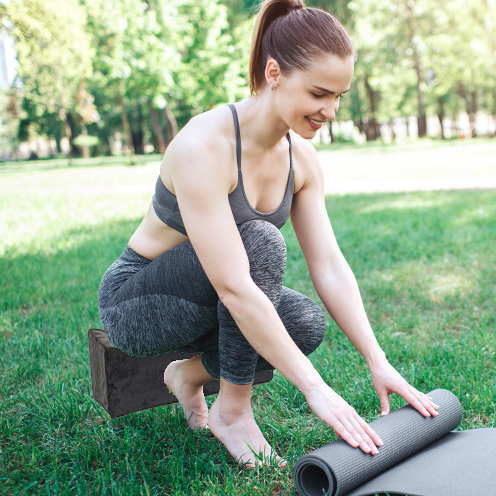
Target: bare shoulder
(204, 146)
(307, 166)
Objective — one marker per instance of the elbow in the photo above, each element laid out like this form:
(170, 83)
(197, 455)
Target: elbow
(235, 295)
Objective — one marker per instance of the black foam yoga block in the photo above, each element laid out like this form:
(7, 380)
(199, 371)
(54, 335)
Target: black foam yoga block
(125, 384)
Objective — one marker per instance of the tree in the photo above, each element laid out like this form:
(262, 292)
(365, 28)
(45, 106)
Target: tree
(52, 50)
(88, 114)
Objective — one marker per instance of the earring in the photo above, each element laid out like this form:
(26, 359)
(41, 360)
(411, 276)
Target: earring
(272, 87)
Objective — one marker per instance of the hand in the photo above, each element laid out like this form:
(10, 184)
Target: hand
(387, 380)
(343, 418)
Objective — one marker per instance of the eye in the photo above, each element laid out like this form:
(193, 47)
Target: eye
(317, 96)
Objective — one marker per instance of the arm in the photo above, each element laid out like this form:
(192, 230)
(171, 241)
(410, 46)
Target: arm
(337, 287)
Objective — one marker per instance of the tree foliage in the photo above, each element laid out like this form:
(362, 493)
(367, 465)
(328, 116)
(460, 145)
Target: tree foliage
(146, 67)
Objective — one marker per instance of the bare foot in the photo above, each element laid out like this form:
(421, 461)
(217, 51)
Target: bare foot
(190, 395)
(236, 432)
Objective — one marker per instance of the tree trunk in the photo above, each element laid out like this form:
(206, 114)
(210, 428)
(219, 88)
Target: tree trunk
(137, 133)
(57, 144)
(371, 131)
(421, 117)
(125, 123)
(68, 132)
(391, 130)
(454, 127)
(171, 123)
(74, 148)
(17, 150)
(53, 147)
(331, 134)
(472, 113)
(64, 115)
(106, 146)
(440, 115)
(86, 148)
(157, 129)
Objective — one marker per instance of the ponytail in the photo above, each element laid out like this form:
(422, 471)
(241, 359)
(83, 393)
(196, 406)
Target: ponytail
(294, 35)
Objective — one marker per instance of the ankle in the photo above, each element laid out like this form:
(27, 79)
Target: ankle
(192, 373)
(232, 411)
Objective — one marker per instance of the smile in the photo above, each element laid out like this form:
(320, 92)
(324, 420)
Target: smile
(314, 124)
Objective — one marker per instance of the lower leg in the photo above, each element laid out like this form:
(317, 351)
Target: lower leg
(185, 378)
(231, 421)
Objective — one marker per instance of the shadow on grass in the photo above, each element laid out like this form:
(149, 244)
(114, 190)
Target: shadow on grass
(55, 438)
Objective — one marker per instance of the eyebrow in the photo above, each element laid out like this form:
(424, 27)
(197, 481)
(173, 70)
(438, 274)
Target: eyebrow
(329, 91)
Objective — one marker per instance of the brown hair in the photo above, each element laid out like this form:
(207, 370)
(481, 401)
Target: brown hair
(294, 35)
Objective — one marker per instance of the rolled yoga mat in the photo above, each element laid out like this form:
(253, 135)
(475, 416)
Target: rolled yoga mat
(420, 457)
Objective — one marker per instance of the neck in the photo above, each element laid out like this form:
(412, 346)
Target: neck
(262, 123)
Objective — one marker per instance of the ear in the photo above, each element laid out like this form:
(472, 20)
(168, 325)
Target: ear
(272, 72)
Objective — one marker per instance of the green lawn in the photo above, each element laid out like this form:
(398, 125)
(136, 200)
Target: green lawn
(425, 263)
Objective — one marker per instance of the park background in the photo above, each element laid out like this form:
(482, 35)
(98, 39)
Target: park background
(99, 90)
(99, 77)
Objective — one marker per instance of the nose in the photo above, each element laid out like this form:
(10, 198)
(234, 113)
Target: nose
(329, 111)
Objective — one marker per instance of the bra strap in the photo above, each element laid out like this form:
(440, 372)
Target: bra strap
(290, 152)
(238, 135)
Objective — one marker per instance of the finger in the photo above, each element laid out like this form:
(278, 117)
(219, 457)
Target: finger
(418, 402)
(368, 429)
(363, 444)
(384, 399)
(429, 405)
(361, 435)
(430, 400)
(426, 401)
(341, 431)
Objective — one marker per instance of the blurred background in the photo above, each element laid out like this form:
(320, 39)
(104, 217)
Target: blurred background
(89, 78)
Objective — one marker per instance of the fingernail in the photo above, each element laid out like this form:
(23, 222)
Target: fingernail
(375, 451)
(435, 406)
(384, 413)
(381, 443)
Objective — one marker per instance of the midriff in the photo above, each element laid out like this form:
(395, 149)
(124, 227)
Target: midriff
(153, 237)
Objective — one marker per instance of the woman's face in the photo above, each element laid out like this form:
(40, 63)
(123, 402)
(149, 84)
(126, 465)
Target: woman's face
(306, 99)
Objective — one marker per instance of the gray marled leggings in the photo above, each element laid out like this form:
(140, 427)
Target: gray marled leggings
(168, 304)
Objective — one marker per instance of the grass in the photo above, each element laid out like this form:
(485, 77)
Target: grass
(425, 263)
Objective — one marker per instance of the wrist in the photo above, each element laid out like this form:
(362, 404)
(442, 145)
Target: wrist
(312, 380)
(315, 388)
(375, 357)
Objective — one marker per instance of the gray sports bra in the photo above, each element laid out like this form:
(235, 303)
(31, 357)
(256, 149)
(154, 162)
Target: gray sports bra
(167, 209)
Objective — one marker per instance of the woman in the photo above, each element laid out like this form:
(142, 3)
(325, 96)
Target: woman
(203, 272)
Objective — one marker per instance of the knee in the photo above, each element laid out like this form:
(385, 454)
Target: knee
(312, 327)
(264, 244)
